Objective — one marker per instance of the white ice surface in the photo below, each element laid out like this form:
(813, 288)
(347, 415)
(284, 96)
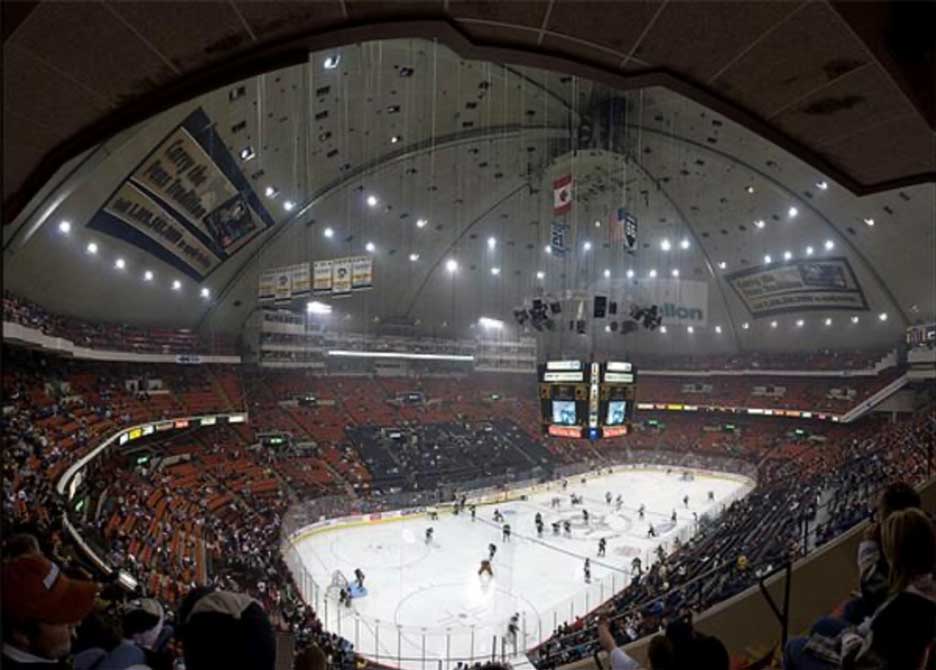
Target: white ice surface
(427, 600)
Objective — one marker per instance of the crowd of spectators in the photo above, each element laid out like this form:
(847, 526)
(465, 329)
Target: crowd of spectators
(111, 336)
(206, 520)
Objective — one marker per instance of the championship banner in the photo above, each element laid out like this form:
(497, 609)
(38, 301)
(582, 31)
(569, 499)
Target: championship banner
(795, 286)
(558, 238)
(284, 284)
(341, 276)
(623, 228)
(187, 202)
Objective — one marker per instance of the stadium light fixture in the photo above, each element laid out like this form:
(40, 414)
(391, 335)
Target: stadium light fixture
(684, 243)
(828, 322)
(331, 62)
(759, 224)
(421, 223)
(492, 243)
(810, 251)
(176, 285)
(718, 329)
(882, 316)
(822, 185)
(495, 271)
(665, 244)
(451, 265)
(745, 326)
(400, 355)
(768, 259)
(630, 274)
(316, 307)
(869, 222)
(749, 189)
(490, 324)
(328, 232)
(372, 201)
(205, 292)
(829, 245)
(92, 248)
(288, 205)
(773, 324)
(607, 328)
(548, 249)
(792, 212)
(587, 246)
(271, 192)
(663, 329)
(414, 257)
(607, 273)
(370, 247)
(722, 265)
(64, 227)
(247, 153)
(120, 264)
(690, 329)
(855, 319)
(148, 275)
(675, 273)
(597, 223)
(395, 139)
(653, 274)
(800, 323)
(541, 275)
(787, 255)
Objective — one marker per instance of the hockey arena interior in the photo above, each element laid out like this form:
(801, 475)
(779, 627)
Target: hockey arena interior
(469, 336)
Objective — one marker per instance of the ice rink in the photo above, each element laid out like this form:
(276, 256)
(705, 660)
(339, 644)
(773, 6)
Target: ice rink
(426, 600)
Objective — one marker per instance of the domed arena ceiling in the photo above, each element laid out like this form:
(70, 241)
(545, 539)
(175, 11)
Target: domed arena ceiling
(445, 190)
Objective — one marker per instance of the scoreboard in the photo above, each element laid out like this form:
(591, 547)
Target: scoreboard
(587, 399)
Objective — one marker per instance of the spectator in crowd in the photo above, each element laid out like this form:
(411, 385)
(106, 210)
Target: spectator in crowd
(142, 623)
(901, 630)
(21, 544)
(221, 629)
(41, 608)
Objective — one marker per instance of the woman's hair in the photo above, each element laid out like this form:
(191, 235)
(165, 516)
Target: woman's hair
(909, 544)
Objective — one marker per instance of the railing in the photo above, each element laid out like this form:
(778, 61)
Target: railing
(418, 647)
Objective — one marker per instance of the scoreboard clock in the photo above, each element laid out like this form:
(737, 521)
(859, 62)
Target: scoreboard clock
(587, 399)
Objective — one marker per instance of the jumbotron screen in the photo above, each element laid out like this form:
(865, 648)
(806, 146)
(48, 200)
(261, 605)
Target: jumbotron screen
(587, 399)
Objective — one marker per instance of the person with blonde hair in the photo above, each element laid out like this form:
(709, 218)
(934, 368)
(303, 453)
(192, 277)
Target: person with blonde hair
(909, 545)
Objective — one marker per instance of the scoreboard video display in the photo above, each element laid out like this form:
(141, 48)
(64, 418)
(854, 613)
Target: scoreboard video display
(587, 399)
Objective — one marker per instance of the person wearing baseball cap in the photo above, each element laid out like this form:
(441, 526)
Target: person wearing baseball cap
(41, 607)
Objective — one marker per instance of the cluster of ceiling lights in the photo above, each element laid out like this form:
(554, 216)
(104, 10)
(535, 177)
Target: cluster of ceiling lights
(774, 324)
(120, 264)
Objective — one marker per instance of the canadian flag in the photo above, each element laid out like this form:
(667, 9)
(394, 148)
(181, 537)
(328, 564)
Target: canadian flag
(562, 195)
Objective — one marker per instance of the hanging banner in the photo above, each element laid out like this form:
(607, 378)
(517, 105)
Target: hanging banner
(558, 240)
(562, 195)
(795, 286)
(341, 276)
(187, 202)
(284, 284)
(623, 229)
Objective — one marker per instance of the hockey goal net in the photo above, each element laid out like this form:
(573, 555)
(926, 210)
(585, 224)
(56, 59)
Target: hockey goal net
(338, 582)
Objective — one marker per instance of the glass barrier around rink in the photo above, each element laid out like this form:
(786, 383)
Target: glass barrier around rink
(417, 648)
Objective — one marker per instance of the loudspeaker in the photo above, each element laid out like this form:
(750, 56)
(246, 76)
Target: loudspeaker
(614, 326)
(580, 326)
(601, 305)
(555, 307)
(612, 308)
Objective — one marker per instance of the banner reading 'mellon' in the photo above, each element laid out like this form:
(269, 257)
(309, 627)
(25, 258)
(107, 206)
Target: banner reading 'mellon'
(187, 203)
(799, 285)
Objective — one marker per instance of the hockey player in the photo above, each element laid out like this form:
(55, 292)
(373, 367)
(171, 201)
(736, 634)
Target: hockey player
(565, 484)
(474, 511)
(686, 501)
(585, 516)
(539, 528)
(608, 497)
(556, 525)
(711, 495)
(359, 577)
(673, 516)
(486, 568)
(587, 571)
(636, 565)
(429, 535)
(538, 519)
(506, 532)
(433, 514)
(651, 532)
(513, 628)
(641, 511)
(602, 546)
(498, 517)
(492, 549)
(567, 527)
